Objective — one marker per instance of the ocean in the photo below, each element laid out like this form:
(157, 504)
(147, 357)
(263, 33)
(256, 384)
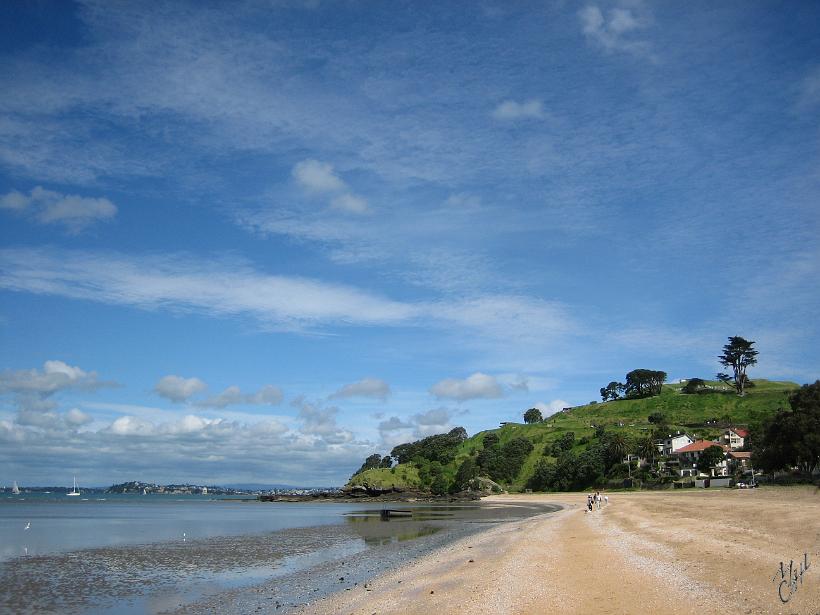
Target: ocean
(135, 554)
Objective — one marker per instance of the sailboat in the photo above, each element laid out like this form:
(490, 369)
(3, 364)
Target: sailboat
(15, 489)
(74, 491)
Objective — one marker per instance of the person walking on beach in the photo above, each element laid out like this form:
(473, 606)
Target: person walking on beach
(598, 500)
(606, 500)
(589, 502)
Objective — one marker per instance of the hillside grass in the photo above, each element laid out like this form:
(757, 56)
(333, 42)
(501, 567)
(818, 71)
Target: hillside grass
(684, 412)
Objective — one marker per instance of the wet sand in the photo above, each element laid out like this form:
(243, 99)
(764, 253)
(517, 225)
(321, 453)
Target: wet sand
(714, 551)
(274, 571)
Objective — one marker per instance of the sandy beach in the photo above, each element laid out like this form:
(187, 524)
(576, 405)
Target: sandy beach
(714, 551)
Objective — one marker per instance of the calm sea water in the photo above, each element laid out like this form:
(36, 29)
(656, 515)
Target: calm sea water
(135, 554)
(58, 523)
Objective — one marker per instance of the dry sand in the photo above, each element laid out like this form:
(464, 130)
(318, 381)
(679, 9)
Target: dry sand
(693, 551)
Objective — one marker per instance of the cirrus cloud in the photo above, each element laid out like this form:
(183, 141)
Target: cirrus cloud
(72, 211)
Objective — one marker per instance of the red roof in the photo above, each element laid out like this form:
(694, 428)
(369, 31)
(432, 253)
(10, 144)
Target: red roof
(700, 445)
(741, 432)
(741, 454)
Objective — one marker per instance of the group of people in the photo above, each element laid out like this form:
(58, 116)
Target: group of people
(594, 501)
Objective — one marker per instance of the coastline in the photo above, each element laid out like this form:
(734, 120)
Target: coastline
(688, 552)
(301, 588)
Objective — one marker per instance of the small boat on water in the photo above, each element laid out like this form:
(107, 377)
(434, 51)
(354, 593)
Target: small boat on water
(15, 489)
(74, 490)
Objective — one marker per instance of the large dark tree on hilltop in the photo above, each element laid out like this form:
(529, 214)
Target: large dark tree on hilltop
(739, 355)
(644, 382)
(533, 415)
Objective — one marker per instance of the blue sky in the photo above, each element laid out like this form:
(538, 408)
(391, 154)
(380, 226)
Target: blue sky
(260, 242)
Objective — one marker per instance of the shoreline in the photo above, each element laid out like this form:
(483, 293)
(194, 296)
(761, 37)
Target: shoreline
(292, 592)
(683, 553)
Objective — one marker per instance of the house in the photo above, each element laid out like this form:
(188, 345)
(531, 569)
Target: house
(739, 460)
(689, 455)
(673, 442)
(734, 437)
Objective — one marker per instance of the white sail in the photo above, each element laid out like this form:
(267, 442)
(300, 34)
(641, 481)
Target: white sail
(15, 489)
(74, 491)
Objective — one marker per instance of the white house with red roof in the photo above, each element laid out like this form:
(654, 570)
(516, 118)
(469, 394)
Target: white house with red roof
(688, 457)
(673, 442)
(734, 437)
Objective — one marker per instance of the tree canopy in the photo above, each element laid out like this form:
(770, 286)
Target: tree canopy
(739, 355)
(709, 458)
(441, 447)
(533, 415)
(644, 382)
(792, 438)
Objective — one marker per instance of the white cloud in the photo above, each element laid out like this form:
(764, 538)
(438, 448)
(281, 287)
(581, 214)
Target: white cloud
(367, 387)
(317, 176)
(613, 32)
(320, 422)
(231, 396)
(512, 110)
(476, 386)
(180, 283)
(77, 417)
(350, 203)
(548, 409)
(48, 207)
(178, 389)
(320, 178)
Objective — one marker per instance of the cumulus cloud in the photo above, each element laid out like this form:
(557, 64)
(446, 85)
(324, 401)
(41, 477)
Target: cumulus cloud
(548, 409)
(394, 423)
(476, 386)
(395, 430)
(268, 395)
(320, 178)
(77, 417)
(72, 211)
(512, 110)
(191, 448)
(320, 421)
(178, 389)
(367, 387)
(614, 31)
(55, 376)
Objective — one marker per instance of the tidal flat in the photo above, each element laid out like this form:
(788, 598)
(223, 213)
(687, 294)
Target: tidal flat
(281, 569)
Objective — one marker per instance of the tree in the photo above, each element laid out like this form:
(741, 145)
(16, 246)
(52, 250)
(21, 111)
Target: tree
(792, 438)
(533, 415)
(441, 447)
(739, 355)
(644, 383)
(374, 461)
(612, 391)
(645, 448)
(694, 385)
(657, 418)
(466, 472)
(709, 458)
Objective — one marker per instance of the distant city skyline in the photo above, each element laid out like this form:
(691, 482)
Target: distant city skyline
(256, 243)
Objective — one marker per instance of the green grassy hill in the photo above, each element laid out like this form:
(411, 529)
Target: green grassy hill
(684, 412)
